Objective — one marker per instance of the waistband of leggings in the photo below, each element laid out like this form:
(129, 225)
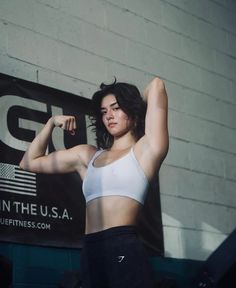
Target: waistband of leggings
(107, 233)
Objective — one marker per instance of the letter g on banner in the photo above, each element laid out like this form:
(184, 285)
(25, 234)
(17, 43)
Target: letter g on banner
(9, 101)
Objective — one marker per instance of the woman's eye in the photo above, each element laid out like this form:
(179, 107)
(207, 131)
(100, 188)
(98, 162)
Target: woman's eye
(116, 108)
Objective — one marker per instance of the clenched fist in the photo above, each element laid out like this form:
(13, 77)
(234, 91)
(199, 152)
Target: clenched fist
(65, 122)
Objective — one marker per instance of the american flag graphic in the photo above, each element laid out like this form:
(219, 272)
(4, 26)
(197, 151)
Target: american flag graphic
(15, 180)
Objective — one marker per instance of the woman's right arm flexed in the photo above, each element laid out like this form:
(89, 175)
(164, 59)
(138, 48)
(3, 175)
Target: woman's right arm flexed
(62, 161)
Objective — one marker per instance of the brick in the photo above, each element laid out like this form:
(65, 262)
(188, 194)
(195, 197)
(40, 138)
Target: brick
(149, 9)
(205, 133)
(17, 12)
(163, 39)
(191, 244)
(225, 65)
(230, 167)
(206, 160)
(190, 184)
(231, 39)
(17, 68)
(145, 58)
(178, 99)
(82, 65)
(213, 218)
(154, 34)
(120, 3)
(128, 74)
(216, 86)
(223, 3)
(47, 53)
(71, 30)
(172, 239)
(66, 83)
(230, 4)
(197, 53)
(222, 17)
(178, 154)
(199, 245)
(200, 105)
(105, 43)
(49, 23)
(168, 220)
(211, 36)
(213, 241)
(34, 48)
(155, 62)
(198, 8)
(51, 3)
(136, 55)
(181, 212)
(232, 93)
(218, 14)
(226, 219)
(22, 44)
(92, 11)
(227, 194)
(178, 20)
(125, 23)
(3, 36)
(182, 72)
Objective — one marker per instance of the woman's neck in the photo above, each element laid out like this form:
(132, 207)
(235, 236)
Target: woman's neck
(123, 143)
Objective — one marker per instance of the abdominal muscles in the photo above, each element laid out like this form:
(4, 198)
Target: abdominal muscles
(110, 211)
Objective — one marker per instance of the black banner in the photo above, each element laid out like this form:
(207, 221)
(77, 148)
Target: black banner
(38, 208)
(50, 209)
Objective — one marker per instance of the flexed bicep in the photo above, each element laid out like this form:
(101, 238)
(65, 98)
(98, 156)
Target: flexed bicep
(56, 162)
(35, 158)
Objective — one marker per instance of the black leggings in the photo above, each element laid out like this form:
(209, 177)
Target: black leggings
(115, 258)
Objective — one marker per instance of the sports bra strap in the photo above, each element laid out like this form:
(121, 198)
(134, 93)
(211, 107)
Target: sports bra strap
(96, 154)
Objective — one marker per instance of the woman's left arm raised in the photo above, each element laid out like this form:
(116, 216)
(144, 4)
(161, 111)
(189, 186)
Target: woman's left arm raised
(156, 126)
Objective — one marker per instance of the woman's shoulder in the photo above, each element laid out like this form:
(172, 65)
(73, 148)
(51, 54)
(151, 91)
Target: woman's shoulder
(84, 151)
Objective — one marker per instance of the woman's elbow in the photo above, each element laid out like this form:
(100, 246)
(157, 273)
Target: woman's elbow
(22, 165)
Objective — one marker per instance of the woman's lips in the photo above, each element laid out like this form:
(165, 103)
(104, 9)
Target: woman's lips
(110, 125)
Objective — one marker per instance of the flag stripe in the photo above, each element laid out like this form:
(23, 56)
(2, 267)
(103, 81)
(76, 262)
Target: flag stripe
(18, 192)
(18, 188)
(16, 183)
(18, 170)
(23, 177)
(20, 180)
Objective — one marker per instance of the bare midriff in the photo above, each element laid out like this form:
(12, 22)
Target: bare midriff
(110, 211)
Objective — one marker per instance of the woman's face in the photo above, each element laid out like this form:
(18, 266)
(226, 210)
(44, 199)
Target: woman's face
(116, 121)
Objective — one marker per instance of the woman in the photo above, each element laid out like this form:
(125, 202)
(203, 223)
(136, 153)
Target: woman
(115, 178)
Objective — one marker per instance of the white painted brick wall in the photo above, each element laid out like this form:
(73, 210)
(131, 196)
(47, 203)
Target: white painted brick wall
(74, 45)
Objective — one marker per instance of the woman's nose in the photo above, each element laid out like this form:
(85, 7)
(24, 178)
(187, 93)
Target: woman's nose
(109, 114)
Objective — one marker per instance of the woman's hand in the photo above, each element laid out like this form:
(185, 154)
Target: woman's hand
(65, 122)
(155, 86)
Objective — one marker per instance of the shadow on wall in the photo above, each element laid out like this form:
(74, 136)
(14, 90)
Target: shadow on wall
(197, 212)
(193, 244)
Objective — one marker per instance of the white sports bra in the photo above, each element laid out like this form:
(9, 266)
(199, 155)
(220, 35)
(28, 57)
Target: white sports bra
(123, 177)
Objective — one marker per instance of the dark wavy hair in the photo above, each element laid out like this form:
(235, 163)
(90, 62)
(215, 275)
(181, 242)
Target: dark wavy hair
(130, 101)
